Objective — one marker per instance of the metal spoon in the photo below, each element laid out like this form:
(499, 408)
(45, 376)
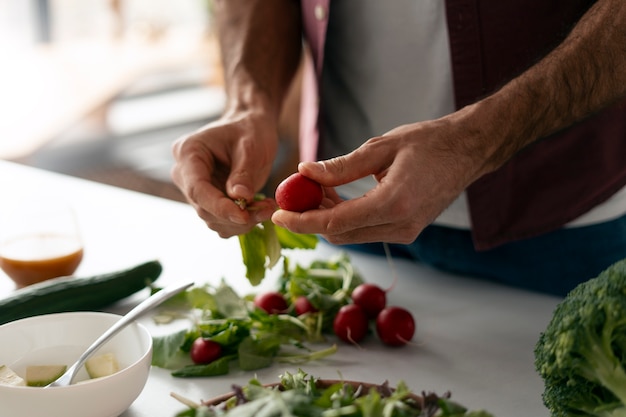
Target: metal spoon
(141, 308)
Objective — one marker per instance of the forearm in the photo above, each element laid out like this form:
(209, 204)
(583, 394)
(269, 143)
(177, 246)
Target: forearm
(586, 73)
(260, 42)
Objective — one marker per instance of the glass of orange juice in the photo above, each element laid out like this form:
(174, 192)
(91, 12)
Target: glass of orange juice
(38, 241)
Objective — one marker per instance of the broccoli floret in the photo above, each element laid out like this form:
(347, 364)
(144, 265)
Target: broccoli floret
(579, 399)
(581, 355)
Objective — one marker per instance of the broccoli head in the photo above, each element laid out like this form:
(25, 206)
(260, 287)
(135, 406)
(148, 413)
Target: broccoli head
(581, 355)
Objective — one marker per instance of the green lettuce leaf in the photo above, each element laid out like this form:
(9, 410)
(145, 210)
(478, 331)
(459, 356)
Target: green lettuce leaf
(261, 248)
(290, 240)
(257, 353)
(166, 348)
(228, 303)
(218, 367)
(254, 250)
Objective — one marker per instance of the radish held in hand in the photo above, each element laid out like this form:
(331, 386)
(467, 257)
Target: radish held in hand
(272, 302)
(371, 298)
(205, 351)
(351, 323)
(298, 193)
(395, 326)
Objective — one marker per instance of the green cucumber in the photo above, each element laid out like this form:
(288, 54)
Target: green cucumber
(63, 294)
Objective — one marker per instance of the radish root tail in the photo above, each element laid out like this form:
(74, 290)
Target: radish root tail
(392, 266)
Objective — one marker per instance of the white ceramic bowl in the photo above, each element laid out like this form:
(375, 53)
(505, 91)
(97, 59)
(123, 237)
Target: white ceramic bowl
(60, 339)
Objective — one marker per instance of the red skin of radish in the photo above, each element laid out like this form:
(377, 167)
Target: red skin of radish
(302, 305)
(351, 323)
(298, 193)
(371, 297)
(205, 351)
(395, 326)
(271, 302)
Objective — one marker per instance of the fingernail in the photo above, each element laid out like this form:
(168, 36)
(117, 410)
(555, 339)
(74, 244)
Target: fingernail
(240, 191)
(275, 219)
(237, 220)
(314, 166)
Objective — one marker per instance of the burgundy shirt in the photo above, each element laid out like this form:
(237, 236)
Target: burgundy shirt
(546, 185)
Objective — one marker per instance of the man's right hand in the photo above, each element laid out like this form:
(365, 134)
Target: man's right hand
(230, 160)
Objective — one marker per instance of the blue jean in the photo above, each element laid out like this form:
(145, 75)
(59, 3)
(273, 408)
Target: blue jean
(553, 263)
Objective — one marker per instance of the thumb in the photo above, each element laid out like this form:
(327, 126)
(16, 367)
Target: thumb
(342, 169)
(241, 182)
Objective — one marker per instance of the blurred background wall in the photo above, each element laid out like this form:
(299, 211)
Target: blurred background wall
(101, 88)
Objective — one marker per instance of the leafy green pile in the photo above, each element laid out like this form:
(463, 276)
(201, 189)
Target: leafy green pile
(327, 284)
(300, 395)
(249, 337)
(582, 353)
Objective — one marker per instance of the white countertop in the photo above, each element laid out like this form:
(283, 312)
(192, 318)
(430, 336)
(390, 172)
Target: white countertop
(473, 338)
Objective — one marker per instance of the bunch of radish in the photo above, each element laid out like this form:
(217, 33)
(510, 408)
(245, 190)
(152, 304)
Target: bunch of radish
(394, 325)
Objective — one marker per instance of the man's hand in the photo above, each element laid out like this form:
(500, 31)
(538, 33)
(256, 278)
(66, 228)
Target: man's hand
(420, 169)
(220, 168)
(228, 161)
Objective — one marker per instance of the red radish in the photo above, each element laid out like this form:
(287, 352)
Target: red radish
(351, 323)
(371, 297)
(303, 305)
(272, 302)
(395, 326)
(298, 193)
(205, 351)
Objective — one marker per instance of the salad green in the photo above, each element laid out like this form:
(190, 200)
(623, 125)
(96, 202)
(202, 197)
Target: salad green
(251, 338)
(261, 248)
(302, 395)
